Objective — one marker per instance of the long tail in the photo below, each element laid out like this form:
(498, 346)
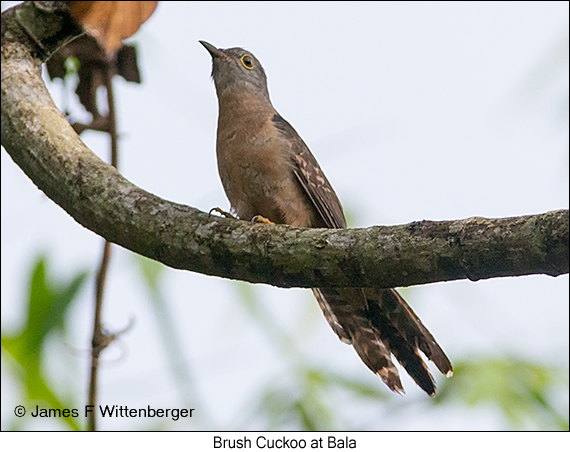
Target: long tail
(379, 323)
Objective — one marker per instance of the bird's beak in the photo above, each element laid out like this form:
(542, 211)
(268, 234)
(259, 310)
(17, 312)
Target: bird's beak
(214, 51)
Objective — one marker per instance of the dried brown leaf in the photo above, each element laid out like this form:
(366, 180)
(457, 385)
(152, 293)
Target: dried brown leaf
(111, 22)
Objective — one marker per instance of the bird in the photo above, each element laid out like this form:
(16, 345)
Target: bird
(269, 173)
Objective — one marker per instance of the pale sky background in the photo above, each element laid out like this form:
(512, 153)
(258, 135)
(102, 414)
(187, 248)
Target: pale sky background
(431, 110)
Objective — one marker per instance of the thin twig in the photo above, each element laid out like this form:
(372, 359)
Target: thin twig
(101, 339)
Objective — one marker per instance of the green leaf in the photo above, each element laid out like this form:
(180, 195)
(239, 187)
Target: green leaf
(151, 271)
(522, 390)
(48, 303)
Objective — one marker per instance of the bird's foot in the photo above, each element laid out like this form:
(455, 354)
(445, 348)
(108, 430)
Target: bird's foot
(261, 219)
(222, 212)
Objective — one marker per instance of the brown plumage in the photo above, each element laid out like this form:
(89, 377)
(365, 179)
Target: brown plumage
(267, 169)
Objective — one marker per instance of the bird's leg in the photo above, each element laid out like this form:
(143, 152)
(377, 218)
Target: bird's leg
(261, 219)
(222, 212)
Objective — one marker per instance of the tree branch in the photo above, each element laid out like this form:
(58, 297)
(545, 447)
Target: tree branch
(43, 144)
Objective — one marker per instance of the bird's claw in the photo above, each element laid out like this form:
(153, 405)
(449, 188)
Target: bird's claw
(261, 219)
(221, 212)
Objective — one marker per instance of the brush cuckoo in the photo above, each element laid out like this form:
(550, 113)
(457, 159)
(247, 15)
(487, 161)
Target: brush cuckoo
(268, 172)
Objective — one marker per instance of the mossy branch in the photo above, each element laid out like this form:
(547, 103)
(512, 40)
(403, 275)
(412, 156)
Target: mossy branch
(43, 144)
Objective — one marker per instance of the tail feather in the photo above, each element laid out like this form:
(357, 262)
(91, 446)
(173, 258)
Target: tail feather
(376, 356)
(398, 338)
(409, 324)
(379, 323)
(330, 315)
(345, 310)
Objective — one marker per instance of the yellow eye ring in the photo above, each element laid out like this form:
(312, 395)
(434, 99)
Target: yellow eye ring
(247, 62)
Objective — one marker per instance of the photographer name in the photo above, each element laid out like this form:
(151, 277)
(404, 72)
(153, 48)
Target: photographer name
(116, 411)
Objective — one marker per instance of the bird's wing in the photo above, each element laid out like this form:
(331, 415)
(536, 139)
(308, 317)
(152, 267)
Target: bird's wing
(313, 180)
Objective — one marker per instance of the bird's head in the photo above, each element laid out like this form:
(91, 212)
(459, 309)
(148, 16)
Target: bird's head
(236, 67)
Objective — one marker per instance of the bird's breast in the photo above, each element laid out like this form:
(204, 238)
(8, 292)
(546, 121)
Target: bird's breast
(255, 166)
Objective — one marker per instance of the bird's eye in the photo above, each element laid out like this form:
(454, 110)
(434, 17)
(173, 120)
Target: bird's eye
(247, 62)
